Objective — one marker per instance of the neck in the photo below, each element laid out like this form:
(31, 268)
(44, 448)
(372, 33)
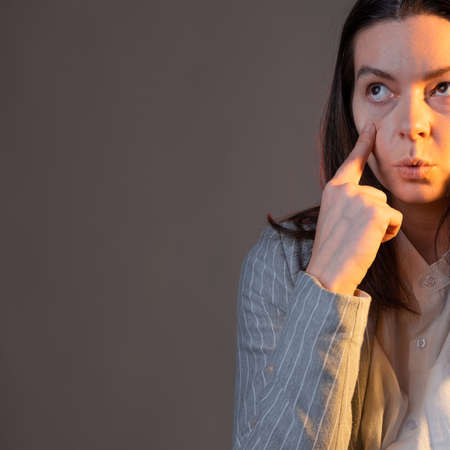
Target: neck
(420, 224)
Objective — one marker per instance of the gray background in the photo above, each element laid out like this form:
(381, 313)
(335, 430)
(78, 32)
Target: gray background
(143, 143)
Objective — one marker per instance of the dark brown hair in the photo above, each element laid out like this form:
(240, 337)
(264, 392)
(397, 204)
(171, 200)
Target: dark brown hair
(338, 136)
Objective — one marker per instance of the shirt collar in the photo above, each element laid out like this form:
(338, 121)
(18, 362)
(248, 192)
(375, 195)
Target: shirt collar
(425, 279)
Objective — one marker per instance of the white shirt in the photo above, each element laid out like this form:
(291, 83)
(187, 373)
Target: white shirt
(408, 394)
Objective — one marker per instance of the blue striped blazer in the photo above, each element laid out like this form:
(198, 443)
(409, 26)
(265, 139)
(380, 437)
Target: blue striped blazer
(303, 353)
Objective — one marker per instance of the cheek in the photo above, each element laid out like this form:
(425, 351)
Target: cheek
(373, 164)
(364, 112)
(382, 152)
(383, 176)
(360, 113)
(377, 167)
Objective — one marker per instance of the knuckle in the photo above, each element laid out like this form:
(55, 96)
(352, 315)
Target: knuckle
(364, 139)
(330, 184)
(377, 193)
(349, 189)
(365, 200)
(330, 188)
(374, 212)
(399, 215)
(383, 195)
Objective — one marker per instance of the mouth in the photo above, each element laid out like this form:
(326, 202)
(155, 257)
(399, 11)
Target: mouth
(414, 172)
(413, 162)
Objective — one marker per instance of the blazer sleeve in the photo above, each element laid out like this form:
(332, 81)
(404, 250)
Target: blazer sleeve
(297, 356)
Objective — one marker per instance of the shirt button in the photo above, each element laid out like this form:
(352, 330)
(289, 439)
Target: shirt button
(429, 281)
(410, 424)
(421, 342)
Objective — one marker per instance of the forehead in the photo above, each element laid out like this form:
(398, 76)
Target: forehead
(407, 48)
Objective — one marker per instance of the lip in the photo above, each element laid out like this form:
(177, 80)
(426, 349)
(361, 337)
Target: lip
(413, 162)
(414, 172)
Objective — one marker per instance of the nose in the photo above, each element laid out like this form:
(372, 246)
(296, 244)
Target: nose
(413, 116)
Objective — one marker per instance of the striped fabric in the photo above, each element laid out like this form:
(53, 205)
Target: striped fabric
(298, 383)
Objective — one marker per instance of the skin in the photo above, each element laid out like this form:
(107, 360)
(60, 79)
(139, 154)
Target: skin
(412, 118)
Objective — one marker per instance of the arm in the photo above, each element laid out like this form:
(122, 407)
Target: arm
(297, 359)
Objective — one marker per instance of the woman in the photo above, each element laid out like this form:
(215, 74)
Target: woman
(343, 318)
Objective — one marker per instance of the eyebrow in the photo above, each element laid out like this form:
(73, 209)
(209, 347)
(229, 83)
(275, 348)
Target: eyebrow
(366, 70)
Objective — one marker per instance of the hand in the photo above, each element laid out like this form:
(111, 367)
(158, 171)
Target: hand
(353, 222)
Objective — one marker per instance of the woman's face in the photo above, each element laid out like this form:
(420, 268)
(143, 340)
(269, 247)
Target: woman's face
(411, 111)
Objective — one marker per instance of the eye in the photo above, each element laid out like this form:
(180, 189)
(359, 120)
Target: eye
(375, 91)
(445, 85)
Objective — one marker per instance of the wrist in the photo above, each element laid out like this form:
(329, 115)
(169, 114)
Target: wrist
(330, 284)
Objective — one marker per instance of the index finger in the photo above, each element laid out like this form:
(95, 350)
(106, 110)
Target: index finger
(352, 168)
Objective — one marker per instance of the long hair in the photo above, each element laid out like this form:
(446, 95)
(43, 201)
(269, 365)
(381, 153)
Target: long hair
(338, 136)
